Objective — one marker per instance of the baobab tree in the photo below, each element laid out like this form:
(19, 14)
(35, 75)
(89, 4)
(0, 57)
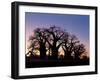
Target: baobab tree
(78, 51)
(54, 39)
(32, 46)
(70, 42)
(38, 37)
(51, 39)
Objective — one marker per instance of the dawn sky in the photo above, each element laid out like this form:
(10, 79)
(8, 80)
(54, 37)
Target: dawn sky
(75, 24)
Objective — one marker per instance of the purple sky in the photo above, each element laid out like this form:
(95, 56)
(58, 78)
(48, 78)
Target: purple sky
(75, 24)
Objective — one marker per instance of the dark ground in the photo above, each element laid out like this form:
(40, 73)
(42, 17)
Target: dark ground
(30, 63)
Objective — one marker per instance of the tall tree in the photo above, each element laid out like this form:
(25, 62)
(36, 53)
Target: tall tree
(55, 36)
(38, 36)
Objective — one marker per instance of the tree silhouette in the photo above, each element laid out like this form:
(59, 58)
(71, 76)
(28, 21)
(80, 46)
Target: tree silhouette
(38, 41)
(55, 35)
(78, 50)
(70, 42)
(48, 41)
(33, 44)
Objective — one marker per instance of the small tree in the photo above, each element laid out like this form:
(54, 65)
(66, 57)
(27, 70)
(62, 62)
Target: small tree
(69, 42)
(78, 51)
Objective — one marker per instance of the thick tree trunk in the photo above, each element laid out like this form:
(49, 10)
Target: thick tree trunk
(67, 56)
(77, 58)
(42, 51)
(54, 53)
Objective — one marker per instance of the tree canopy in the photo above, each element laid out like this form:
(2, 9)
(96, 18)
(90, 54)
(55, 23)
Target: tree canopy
(49, 42)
